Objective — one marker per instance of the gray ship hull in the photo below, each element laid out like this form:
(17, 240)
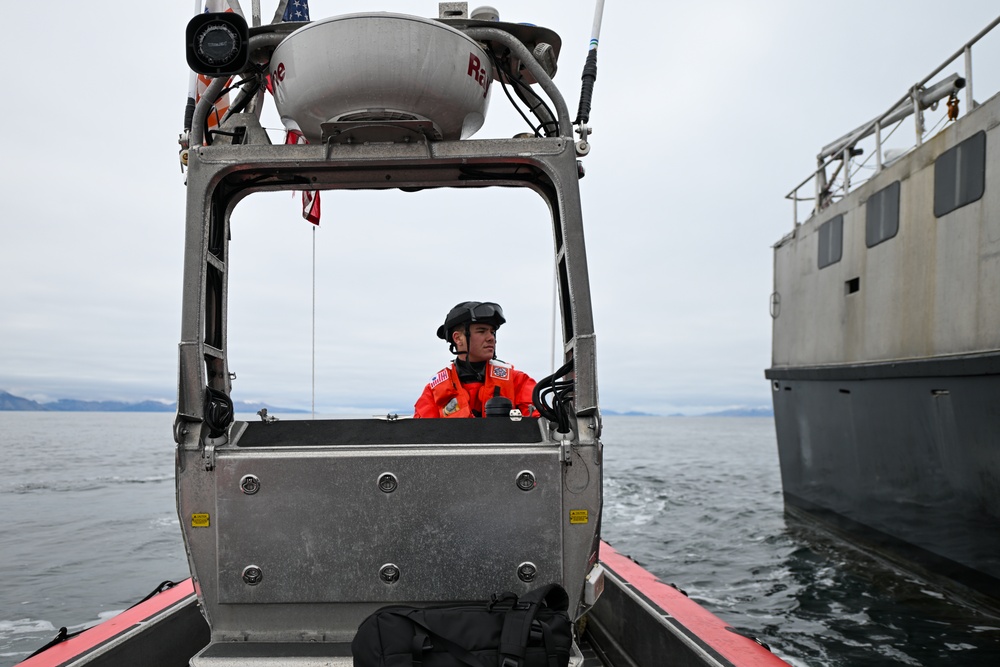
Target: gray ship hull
(900, 457)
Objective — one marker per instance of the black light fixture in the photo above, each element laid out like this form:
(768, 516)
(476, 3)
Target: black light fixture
(218, 44)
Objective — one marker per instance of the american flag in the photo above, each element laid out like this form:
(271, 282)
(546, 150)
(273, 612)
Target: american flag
(298, 10)
(439, 378)
(310, 198)
(292, 10)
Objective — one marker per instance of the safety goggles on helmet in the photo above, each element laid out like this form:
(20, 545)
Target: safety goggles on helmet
(469, 312)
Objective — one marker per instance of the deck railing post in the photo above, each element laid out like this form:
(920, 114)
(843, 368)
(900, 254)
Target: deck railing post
(820, 180)
(970, 102)
(918, 115)
(847, 169)
(878, 146)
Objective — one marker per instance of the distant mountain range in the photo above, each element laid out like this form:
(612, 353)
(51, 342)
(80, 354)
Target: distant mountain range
(742, 412)
(10, 402)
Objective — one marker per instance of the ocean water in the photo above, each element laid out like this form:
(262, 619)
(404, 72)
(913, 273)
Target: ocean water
(89, 528)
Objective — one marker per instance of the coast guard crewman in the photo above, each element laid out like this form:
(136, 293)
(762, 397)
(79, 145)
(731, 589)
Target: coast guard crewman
(462, 389)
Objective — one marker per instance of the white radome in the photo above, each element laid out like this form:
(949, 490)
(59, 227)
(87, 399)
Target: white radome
(381, 66)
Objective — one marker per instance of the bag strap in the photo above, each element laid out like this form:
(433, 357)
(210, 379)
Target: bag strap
(418, 646)
(517, 621)
(550, 644)
(462, 655)
(553, 595)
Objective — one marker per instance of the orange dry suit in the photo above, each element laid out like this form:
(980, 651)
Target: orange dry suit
(446, 396)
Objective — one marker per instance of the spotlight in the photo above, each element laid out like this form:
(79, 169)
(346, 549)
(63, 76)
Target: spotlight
(218, 44)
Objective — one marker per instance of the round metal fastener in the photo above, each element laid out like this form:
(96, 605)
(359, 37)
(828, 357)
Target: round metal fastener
(525, 480)
(526, 571)
(252, 575)
(250, 484)
(389, 573)
(387, 482)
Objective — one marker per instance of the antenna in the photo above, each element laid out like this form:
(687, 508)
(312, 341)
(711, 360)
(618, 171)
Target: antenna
(589, 77)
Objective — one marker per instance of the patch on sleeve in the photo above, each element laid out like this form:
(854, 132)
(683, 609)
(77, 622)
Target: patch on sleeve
(439, 378)
(500, 373)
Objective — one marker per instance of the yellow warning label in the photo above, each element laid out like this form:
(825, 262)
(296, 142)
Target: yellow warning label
(199, 520)
(579, 516)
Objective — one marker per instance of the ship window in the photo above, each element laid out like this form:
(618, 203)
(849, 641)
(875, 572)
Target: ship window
(851, 286)
(882, 215)
(960, 175)
(831, 241)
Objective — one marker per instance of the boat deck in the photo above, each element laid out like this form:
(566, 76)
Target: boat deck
(337, 655)
(639, 621)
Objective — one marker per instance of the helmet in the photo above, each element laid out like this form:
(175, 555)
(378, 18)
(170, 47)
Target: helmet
(468, 312)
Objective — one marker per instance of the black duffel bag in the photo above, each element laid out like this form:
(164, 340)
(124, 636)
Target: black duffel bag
(531, 631)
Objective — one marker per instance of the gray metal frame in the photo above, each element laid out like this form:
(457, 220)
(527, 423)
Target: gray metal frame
(324, 598)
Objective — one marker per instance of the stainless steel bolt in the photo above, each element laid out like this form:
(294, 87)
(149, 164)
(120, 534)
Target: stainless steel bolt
(387, 482)
(252, 575)
(525, 480)
(389, 573)
(526, 572)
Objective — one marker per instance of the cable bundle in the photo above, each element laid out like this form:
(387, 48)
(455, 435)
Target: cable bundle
(561, 394)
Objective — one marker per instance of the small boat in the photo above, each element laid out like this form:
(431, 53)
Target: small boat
(297, 530)
(886, 337)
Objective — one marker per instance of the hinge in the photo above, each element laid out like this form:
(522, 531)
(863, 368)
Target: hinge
(208, 453)
(566, 450)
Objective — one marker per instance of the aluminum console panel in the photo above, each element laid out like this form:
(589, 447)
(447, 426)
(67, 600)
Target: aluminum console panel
(322, 524)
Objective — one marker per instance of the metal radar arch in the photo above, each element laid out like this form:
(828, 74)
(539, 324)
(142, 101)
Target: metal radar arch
(243, 486)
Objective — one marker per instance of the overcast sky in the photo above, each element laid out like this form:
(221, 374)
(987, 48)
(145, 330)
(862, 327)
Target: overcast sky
(705, 115)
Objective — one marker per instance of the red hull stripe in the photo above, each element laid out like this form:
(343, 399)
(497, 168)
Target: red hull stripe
(89, 639)
(741, 651)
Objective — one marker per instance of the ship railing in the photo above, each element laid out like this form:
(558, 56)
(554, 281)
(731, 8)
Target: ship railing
(830, 188)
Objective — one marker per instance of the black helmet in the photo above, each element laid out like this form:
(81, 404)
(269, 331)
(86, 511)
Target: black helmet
(468, 312)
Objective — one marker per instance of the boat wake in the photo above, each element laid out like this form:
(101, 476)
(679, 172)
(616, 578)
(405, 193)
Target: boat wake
(76, 485)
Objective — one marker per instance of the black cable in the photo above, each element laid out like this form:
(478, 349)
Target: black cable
(218, 412)
(244, 101)
(189, 113)
(502, 71)
(164, 586)
(516, 81)
(523, 91)
(561, 392)
(240, 84)
(587, 90)
(59, 638)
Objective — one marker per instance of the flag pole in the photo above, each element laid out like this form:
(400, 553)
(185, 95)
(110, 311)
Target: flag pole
(314, 321)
